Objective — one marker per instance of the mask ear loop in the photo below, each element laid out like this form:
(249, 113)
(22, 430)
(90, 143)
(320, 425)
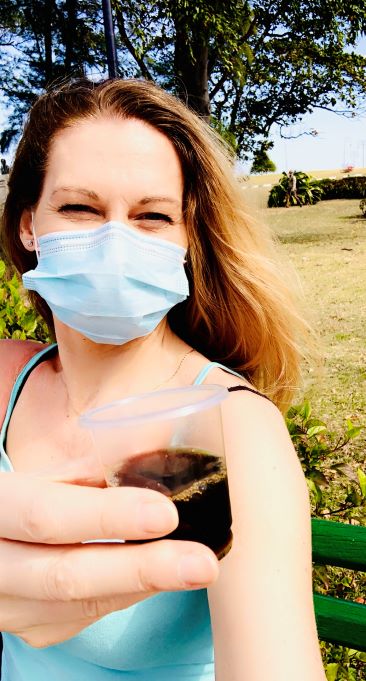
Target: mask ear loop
(36, 247)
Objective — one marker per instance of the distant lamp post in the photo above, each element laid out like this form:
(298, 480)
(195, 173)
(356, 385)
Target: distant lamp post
(109, 39)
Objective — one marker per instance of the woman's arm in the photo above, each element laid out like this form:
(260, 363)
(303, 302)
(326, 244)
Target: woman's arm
(262, 606)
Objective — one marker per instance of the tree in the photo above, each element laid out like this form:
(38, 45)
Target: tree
(246, 64)
(261, 162)
(41, 42)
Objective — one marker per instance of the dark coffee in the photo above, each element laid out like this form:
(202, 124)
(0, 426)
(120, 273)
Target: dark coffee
(196, 481)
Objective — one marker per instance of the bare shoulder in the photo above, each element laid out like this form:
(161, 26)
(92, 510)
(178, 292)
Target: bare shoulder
(257, 439)
(14, 354)
(255, 434)
(247, 410)
(14, 351)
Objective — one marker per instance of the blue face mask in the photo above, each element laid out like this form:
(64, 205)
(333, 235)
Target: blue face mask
(112, 284)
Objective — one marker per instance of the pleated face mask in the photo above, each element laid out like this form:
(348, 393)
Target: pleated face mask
(112, 284)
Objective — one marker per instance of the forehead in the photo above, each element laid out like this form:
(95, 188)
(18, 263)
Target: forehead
(111, 153)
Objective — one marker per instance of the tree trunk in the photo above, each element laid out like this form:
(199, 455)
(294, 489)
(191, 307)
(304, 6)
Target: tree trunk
(70, 34)
(191, 67)
(48, 26)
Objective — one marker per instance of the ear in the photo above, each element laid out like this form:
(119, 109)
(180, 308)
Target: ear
(25, 230)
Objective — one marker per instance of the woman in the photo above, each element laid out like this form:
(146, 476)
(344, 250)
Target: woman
(124, 168)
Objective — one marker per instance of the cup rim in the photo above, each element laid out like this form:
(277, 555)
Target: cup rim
(89, 419)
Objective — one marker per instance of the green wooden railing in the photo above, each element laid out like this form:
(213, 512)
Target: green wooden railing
(338, 620)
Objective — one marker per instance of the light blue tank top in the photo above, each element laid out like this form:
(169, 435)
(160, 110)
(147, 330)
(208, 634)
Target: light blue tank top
(165, 638)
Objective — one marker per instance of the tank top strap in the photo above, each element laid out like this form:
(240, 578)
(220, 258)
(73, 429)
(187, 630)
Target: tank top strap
(20, 380)
(211, 365)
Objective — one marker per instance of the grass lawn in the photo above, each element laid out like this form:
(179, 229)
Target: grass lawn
(327, 245)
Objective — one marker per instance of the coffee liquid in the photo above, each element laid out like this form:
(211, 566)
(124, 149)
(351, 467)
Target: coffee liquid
(196, 481)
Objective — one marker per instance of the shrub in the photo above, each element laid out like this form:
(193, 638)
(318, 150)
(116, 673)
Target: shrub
(344, 188)
(262, 163)
(18, 320)
(308, 189)
(316, 445)
(363, 207)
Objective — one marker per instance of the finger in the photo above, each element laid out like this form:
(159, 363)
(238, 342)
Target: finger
(19, 614)
(49, 635)
(95, 571)
(42, 636)
(61, 626)
(58, 513)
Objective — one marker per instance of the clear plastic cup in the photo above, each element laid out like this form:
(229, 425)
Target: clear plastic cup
(170, 441)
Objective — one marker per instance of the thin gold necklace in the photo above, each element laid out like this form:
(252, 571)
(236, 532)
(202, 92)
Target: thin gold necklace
(167, 380)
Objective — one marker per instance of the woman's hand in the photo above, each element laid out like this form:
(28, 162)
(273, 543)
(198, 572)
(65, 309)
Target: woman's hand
(52, 586)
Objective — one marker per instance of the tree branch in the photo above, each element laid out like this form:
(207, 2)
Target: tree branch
(218, 85)
(235, 108)
(311, 133)
(346, 113)
(127, 42)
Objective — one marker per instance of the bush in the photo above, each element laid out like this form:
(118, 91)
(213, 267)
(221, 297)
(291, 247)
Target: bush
(18, 320)
(262, 163)
(308, 191)
(316, 445)
(363, 207)
(344, 188)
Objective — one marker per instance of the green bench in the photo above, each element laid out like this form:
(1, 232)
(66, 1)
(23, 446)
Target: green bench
(338, 620)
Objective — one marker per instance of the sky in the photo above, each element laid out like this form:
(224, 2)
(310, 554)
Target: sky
(340, 141)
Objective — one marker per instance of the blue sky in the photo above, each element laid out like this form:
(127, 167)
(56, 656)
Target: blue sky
(340, 141)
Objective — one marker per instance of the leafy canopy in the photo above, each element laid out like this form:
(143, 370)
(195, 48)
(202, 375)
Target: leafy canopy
(249, 64)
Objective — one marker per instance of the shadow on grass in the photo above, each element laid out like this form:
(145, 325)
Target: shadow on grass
(310, 238)
(354, 219)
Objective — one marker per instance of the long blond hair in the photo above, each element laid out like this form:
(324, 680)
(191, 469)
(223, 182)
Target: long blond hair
(240, 312)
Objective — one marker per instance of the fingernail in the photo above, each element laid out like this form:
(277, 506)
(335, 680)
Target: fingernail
(157, 517)
(197, 569)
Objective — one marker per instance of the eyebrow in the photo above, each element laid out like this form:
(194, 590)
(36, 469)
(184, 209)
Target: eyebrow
(92, 195)
(77, 190)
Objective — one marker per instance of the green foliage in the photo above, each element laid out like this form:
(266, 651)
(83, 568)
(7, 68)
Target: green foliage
(308, 189)
(344, 188)
(343, 664)
(250, 63)
(316, 447)
(227, 136)
(262, 163)
(17, 319)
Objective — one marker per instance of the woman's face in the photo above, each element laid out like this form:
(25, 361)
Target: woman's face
(111, 169)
